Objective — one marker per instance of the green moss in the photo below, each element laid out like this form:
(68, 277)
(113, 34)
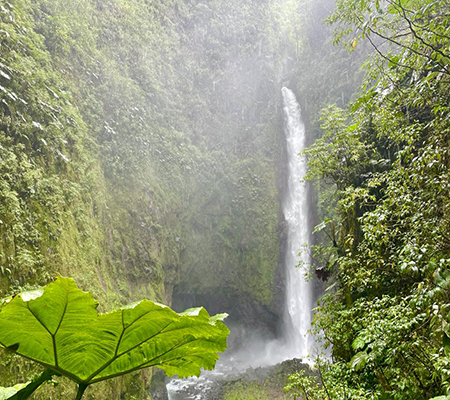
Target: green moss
(232, 240)
(54, 217)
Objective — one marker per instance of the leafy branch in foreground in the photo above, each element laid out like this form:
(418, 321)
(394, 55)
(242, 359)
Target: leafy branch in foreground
(59, 327)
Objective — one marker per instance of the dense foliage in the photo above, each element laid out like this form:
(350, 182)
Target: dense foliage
(383, 170)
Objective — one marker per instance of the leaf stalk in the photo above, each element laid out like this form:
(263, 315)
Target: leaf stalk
(80, 392)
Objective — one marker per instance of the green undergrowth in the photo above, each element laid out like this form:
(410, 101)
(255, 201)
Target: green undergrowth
(382, 169)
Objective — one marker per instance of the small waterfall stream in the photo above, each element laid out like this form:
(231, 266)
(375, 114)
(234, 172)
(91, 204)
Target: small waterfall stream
(299, 293)
(296, 342)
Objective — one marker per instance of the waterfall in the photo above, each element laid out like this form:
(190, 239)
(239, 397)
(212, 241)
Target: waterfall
(299, 293)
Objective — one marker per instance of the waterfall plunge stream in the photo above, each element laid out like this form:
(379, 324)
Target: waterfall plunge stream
(296, 342)
(299, 293)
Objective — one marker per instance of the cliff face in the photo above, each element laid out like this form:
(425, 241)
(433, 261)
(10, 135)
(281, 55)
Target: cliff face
(140, 148)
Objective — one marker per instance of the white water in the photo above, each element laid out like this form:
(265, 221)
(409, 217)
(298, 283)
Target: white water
(297, 343)
(299, 293)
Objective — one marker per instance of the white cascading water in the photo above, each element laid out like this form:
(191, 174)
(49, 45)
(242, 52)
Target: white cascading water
(299, 292)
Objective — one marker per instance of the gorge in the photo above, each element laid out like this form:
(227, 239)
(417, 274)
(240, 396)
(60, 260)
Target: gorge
(140, 181)
(245, 156)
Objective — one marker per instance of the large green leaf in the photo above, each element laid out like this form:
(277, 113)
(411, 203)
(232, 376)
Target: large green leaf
(59, 327)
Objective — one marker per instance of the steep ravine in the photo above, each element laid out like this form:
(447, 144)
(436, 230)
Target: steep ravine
(142, 153)
(140, 179)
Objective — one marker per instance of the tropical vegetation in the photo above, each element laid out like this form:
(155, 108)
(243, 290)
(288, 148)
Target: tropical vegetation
(142, 154)
(382, 170)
